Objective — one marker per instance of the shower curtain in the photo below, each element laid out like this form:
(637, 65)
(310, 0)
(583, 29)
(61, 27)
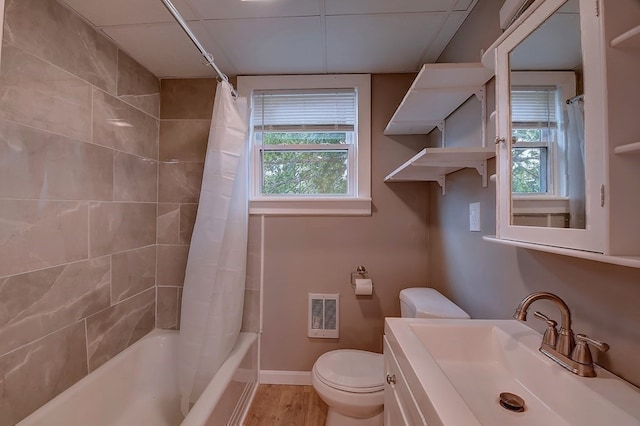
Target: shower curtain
(576, 161)
(213, 294)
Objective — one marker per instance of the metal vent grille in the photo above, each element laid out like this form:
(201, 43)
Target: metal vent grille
(324, 314)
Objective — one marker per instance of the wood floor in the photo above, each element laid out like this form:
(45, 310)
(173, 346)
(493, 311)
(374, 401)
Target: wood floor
(286, 405)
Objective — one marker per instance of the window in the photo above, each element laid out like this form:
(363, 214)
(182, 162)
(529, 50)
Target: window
(534, 129)
(310, 144)
(304, 140)
(539, 146)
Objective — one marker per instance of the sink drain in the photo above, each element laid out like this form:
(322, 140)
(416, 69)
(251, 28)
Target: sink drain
(511, 402)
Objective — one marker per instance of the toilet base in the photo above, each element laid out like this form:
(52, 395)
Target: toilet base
(336, 419)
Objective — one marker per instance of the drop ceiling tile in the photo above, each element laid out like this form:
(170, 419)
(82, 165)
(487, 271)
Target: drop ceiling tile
(166, 51)
(122, 12)
(448, 30)
(271, 45)
(238, 9)
(355, 7)
(379, 43)
(465, 4)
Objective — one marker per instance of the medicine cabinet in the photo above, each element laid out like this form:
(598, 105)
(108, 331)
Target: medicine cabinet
(567, 123)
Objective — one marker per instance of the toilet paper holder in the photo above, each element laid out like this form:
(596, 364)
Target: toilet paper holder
(361, 272)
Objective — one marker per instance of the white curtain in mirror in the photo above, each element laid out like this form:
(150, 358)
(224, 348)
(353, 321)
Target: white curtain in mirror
(214, 286)
(576, 162)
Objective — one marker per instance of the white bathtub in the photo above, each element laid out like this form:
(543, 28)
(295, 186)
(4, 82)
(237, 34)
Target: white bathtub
(140, 387)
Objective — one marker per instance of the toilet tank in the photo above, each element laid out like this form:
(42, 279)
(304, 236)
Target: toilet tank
(422, 302)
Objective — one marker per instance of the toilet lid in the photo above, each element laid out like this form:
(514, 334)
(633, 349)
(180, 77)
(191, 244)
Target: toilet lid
(351, 370)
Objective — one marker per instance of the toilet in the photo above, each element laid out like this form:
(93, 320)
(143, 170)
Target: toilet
(351, 382)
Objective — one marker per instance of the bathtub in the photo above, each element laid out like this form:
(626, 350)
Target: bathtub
(140, 387)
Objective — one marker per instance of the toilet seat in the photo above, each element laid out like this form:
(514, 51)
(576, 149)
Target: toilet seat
(351, 370)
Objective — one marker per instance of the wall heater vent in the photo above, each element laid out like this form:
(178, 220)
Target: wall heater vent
(324, 316)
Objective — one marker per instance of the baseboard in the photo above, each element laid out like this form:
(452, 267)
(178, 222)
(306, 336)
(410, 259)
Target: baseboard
(278, 377)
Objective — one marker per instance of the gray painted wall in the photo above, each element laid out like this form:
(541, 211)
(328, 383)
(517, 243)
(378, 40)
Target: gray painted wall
(488, 280)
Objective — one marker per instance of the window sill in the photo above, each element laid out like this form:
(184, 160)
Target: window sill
(310, 206)
(539, 204)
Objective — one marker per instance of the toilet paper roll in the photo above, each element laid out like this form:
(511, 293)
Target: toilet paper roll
(364, 287)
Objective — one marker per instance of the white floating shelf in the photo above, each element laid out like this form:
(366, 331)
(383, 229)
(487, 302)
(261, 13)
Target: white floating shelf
(437, 91)
(433, 164)
(629, 261)
(629, 39)
(632, 148)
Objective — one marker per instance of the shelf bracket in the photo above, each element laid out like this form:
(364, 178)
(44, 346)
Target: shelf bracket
(441, 181)
(481, 168)
(441, 126)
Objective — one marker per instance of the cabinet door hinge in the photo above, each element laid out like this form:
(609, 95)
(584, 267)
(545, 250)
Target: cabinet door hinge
(601, 195)
(597, 8)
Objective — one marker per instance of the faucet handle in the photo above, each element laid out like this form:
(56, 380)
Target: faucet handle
(543, 317)
(581, 352)
(551, 333)
(601, 346)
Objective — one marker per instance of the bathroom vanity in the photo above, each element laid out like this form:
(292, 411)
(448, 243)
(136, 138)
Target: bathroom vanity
(457, 372)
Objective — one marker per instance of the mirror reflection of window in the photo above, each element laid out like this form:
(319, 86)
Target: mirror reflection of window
(534, 128)
(547, 176)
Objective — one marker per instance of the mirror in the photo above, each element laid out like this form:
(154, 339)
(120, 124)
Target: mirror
(547, 124)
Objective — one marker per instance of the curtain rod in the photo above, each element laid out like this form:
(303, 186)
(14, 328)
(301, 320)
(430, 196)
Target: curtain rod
(208, 56)
(575, 98)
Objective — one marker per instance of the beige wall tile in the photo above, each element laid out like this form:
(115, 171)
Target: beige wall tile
(168, 223)
(135, 178)
(179, 182)
(36, 93)
(184, 140)
(38, 164)
(50, 31)
(254, 253)
(118, 125)
(115, 227)
(35, 304)
(167, 308)
(113, 330)
(39, 234)
(137, 86)
(251, 311)
(172, 263)
(188, 214)
(34, 374)
(187, 98)
(132, 272)
(149, 104)
(180, 290)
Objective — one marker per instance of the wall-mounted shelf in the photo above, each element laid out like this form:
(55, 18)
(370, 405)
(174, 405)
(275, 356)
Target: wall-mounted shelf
(437, 91)
(433, 164)
(628, 39)
(632, 148)
(629, 261)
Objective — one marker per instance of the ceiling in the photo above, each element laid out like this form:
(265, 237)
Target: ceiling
(261, 37)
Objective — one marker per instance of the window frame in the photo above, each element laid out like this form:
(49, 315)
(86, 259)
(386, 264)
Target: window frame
(565, 84)
(356, 204)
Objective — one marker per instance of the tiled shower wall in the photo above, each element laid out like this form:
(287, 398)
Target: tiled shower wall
(186, 107)
(78, 198)
(186, 110)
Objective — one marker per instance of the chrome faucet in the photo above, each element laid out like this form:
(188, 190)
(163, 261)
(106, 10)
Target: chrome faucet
(561, 345)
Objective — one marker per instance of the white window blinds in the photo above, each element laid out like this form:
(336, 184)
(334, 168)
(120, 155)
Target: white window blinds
(535, 107)
(296, 110)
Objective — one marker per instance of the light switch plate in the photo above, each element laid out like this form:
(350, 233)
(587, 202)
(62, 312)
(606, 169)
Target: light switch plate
(474, 217)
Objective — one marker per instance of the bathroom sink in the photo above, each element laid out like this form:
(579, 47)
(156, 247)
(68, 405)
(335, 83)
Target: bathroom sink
(460, 367)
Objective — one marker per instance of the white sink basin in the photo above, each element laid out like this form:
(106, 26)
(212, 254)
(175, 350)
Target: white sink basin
(462, 366)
